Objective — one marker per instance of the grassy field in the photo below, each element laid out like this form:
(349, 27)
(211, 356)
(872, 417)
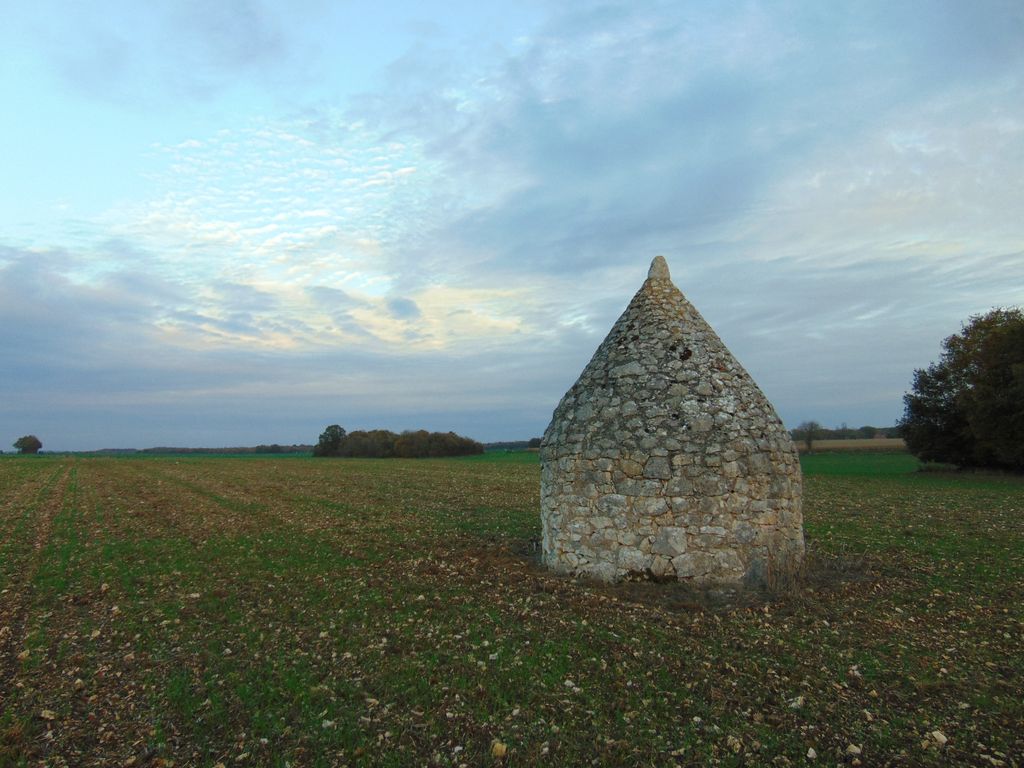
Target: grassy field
(261, 611)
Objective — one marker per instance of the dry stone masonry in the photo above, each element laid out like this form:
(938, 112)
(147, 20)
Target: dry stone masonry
(664, 459)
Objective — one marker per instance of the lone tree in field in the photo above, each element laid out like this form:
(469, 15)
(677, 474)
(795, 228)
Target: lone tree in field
(28, 444)
(968, 408)
(808, 432)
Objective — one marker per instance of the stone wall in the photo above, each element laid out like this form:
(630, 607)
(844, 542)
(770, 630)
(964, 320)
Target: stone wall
(665, 459)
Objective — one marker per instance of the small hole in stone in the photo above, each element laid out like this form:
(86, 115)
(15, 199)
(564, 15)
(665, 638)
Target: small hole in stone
(687, 354)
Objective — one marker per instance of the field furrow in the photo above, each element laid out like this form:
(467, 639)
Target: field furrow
(23, 556)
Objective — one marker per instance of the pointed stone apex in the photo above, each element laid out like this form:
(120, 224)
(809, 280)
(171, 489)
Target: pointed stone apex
(659, 269)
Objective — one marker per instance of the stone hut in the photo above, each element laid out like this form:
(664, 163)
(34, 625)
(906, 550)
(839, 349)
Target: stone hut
(664, 459)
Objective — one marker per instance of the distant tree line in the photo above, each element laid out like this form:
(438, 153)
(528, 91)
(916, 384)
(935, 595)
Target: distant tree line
(384, 444)
(513, 445)
(809, 431)
(273, 448)
(968, 408)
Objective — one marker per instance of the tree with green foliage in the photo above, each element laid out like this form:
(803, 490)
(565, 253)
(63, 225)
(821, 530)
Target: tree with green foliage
(330, 441)
(28, 444)
(968, 408)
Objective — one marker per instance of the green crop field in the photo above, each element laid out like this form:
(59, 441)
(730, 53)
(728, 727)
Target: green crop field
(303, 612)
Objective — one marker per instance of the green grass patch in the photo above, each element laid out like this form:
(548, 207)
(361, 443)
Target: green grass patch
(505, 457)
(863, 464)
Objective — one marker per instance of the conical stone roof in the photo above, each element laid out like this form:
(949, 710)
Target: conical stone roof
(666, 459)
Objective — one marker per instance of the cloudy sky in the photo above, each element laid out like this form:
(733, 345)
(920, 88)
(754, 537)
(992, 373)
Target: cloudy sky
(237, 222)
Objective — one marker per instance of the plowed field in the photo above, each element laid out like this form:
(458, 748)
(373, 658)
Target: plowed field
(290, 611)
